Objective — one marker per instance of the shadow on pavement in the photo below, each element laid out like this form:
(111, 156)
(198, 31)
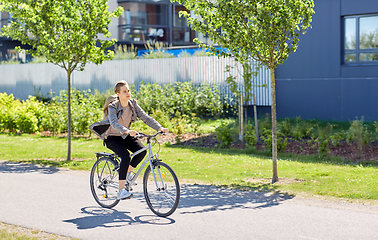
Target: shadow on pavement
(195, 199)
(15, 167)
(204, 198)
(110, 218)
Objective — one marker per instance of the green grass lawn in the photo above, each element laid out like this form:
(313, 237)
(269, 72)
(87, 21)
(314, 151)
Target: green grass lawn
(244, 169)
(13, 232)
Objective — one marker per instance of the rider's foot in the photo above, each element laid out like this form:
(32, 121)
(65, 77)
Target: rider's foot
(129, 177)
(124, 194)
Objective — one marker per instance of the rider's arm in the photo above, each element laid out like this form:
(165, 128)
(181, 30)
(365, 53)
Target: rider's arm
(151, 122)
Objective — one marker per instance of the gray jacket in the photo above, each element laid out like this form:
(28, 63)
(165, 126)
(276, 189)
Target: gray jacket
(115, 112)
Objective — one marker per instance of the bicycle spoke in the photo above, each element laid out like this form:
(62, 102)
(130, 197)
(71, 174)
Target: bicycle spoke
(169, 198)
(104, 185)
(161, 189)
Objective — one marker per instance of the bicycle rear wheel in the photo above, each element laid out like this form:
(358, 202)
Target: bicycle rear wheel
(163, 195)
(104, 182)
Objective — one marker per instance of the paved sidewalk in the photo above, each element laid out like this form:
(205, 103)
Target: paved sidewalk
(60, 202)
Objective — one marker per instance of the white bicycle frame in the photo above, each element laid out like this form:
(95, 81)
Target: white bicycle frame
(147, 159)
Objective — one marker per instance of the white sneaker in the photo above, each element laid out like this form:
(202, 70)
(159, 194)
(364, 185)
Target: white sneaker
(123, 194)
(129, 177)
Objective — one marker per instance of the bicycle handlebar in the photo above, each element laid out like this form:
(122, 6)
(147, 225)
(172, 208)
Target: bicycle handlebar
(142, 135)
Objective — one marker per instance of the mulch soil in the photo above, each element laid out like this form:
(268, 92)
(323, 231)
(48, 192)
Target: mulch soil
(346, 150)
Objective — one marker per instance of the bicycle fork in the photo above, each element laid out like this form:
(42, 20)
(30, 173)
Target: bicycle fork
(161, 175)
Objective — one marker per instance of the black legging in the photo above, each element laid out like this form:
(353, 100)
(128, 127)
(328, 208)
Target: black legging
(121, 146)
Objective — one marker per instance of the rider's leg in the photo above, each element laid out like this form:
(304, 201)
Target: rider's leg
(121, 184)
(131, 168)
(117, 145)
(135, 145)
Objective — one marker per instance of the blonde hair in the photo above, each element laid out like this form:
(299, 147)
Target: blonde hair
(119, 84)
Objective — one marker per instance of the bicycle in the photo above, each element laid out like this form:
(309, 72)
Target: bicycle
(161, 187)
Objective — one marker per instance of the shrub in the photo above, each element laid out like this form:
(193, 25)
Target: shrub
(84, 111)
(29, 115)
(250, 135)
(302, 129)
(162, 117)
(55, 120)
(10, 62)
(358, 133)
(182, 98)
(285, 127)
(264, 123)
(184, 54)
(26, 122)
(200, 53)
(375, 125)
(38, 60)
(224, 134)
(39, 95)
(268, 139)
(323, 146)
(179, 126)
(122, 52)
(195, 124)
(151, 97)
(323, 140)
(25, 116)
(101, 97)
(337, 137)
(156, 50)
(7, 116)
(207, 100)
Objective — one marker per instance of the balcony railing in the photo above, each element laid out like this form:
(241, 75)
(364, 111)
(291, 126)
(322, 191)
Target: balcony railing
(141, 34)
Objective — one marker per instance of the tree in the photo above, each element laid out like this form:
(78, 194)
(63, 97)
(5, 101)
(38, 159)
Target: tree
(65, 32)
(248, 83)
(262, 30)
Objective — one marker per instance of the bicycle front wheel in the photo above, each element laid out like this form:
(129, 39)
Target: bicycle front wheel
(104, 182)
(161, 189)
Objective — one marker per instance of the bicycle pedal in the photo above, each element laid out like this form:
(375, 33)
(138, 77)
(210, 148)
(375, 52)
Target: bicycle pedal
(127, 197)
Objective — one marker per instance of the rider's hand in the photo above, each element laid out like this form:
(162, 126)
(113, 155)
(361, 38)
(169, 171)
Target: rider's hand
(164, 130)
(132, 133)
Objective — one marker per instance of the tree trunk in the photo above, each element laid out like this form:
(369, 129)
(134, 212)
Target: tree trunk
(255, 115)
(274, 126)
(241, 122)
(246, 113)
(69, 116)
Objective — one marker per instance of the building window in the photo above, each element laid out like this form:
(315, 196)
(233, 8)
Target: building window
(157, 20)
(361, 39)
(182, 34)
(141, 22)
(6, 19)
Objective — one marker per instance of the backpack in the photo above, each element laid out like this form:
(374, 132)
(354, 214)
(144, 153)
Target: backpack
(108, 101)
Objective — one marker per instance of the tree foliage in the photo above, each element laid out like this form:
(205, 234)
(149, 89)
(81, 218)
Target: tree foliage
(263, 30)
(67, 33)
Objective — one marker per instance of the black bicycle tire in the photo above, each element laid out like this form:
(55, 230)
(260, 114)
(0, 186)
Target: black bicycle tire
(93, 171)
(177, 184)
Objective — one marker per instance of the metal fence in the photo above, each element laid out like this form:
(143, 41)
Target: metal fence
(23, 79)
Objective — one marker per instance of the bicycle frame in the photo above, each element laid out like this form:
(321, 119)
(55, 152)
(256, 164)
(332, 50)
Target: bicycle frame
(146, 159)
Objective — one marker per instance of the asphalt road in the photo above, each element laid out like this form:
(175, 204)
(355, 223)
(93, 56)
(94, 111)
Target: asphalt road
(60, 202)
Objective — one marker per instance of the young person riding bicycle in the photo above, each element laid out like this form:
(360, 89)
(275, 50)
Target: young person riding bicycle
(117, 135)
